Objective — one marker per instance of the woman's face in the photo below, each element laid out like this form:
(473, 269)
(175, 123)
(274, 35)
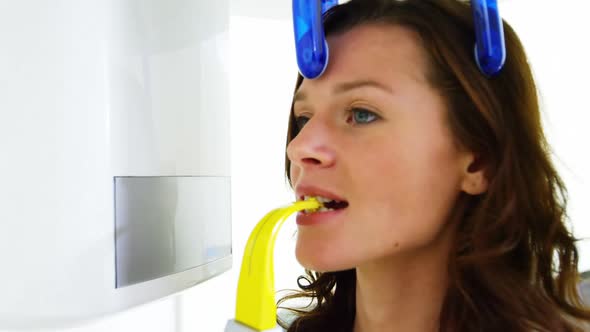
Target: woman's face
(373, 134)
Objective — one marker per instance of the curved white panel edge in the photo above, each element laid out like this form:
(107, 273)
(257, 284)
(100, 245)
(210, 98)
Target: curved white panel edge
(121, 299)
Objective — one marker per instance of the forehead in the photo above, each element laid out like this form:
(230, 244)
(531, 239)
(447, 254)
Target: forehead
(389, 54)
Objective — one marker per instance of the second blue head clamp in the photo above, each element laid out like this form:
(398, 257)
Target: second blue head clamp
(313, 53)
(490, 48)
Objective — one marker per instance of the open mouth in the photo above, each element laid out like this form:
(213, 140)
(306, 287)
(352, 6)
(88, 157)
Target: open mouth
(328, 204)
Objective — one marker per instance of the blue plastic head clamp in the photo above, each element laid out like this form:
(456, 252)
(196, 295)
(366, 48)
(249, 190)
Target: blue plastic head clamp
(490, 49)
(313, 53)
(310, 41)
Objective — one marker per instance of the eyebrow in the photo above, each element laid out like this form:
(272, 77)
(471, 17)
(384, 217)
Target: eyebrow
(348, 86)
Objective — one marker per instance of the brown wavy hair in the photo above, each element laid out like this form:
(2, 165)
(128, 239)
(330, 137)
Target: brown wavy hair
(514, 264)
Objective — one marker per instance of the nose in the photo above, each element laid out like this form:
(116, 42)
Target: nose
(313, 147)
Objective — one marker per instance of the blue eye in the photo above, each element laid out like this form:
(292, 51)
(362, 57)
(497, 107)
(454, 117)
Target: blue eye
(363, 116)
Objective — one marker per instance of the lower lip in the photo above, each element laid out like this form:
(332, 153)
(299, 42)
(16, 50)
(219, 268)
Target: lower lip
(308, 219)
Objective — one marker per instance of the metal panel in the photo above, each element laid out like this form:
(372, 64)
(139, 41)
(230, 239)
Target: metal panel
(166, 225)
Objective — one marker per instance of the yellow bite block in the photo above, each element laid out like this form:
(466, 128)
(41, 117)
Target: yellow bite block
(255, 303)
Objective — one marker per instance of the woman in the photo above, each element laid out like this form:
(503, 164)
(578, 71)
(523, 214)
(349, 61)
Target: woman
(448, 214)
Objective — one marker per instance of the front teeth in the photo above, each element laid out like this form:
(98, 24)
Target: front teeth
(321, 200)
(322, 209)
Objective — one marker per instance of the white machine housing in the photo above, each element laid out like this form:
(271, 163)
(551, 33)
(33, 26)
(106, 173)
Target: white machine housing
(114, 150)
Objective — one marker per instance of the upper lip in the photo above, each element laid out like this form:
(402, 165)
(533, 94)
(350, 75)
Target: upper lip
(308, 190)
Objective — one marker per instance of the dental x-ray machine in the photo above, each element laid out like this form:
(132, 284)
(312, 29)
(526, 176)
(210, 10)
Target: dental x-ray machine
(114, 140)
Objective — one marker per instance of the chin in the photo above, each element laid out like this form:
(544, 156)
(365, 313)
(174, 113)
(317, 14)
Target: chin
(322, 261)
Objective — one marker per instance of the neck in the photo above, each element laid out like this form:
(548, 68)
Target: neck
(403, 293)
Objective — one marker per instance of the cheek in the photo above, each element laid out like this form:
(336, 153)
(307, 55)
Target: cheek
(409, 188)
(417, 171)
(419, 154)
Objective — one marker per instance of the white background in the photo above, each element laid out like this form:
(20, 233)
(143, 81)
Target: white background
(263, 72)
